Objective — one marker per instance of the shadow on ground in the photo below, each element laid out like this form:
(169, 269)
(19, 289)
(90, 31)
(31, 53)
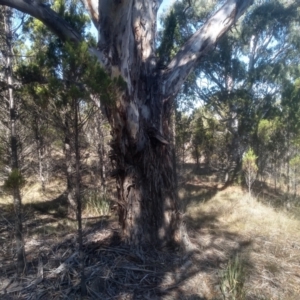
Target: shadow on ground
(275, 197)
(57, 207)
(112, 269)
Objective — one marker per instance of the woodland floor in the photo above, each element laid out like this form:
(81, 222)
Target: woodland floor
(224, 226)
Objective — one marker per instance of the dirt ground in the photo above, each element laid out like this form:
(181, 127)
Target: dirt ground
(234, 247)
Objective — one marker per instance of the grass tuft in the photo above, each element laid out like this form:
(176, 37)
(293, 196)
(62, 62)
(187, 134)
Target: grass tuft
(96, 203)
(233, 279)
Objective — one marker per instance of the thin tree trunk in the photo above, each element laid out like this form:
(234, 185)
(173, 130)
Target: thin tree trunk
(249, 183)
(275, 174)
(78, 199)
(288, 161)
(20, 246)
(101, 153)
(70, 172)
(295, 181)
(173, 138)
(41, 169)
(41, 153)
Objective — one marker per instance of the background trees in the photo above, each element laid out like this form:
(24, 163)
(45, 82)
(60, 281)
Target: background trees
(243, 83)
(11, 140)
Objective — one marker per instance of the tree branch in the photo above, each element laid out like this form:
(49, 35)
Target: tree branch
(48, 16)
(54, 22)
(200, 43)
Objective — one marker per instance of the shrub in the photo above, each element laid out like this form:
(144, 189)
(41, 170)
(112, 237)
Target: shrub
(14, 180)
(250, 168)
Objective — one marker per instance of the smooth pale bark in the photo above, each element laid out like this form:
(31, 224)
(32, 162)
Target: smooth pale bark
(141, 126)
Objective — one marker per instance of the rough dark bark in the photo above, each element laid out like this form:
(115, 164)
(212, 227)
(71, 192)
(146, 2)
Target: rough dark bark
(20, 245)
(235, 155)
(143, 160)
(147, 193)
(141, 149)
(102, 167)
(102, 154)
(140, 120)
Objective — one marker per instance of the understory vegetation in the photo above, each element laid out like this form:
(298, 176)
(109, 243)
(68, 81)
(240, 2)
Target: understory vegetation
(236, 246)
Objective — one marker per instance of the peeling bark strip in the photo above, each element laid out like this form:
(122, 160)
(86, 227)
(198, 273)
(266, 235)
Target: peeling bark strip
(141, 128)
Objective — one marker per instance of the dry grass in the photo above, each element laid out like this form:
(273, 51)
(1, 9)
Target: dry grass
(235, 243)
(268, 240)
(53, 200)
(32, 192)
(95, 203)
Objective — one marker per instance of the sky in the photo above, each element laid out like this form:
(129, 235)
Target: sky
(165, 5)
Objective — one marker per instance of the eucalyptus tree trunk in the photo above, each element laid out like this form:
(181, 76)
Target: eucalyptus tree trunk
(20, 246)
(140, 119)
